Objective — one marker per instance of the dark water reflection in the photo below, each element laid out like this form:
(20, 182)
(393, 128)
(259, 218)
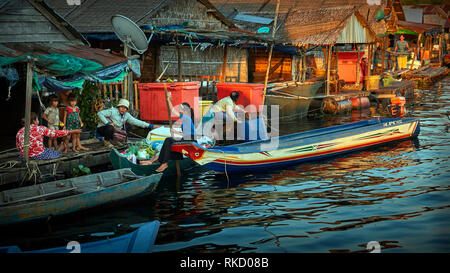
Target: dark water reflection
(398, 195)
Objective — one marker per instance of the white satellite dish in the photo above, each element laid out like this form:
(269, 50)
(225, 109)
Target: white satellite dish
(129, 33)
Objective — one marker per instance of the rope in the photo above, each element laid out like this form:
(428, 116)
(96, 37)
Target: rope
(9, 164)
(32, 172)
(12, 149)
(131, 133)
(226, 172)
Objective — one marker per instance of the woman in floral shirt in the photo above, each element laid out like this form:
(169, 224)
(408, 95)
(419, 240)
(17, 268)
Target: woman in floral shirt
(37, 150)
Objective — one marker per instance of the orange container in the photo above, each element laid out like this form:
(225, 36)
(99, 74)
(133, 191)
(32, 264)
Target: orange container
(153, 107)
(250, 93)
(347, 62)
(398, 100)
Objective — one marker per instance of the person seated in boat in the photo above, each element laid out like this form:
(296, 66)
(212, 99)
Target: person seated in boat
(37, 150)
(186, 115)
(117, 117)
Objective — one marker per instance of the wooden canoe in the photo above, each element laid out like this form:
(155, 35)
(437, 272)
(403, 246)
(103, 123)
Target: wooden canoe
(118, 161)
(293, 101)
(139, 241)
(300, 147)
(71, 195)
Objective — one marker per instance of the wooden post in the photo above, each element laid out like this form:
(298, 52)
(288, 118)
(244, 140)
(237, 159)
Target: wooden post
(180, 72)
(136, 102)
(422, 52)
(207, 87)
(369, 61)
(357, 65)
(271, 50)
(383, 50)
(415, 51)
(336, 54)
(440, 49)
(266, 79)
(177, 163)
(224, 63)
(328, 69)
(28, 95)
(303, 64)
(125, 80)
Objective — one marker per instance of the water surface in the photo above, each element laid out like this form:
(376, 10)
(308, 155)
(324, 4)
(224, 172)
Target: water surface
(397, 195)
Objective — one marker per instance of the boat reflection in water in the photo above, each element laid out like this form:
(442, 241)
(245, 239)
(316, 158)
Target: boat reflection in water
(210, 204)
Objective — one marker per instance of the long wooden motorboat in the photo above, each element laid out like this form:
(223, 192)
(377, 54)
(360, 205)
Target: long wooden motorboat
(71, 195)
(118, 162)
(140, 240)
(293, 100)
(300, 147)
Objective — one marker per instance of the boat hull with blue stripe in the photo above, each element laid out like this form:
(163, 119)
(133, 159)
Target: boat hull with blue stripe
(301, 147)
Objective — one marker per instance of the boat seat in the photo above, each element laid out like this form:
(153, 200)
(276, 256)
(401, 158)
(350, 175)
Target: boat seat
(10, 201)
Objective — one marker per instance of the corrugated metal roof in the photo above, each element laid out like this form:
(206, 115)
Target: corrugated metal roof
(354, 32)
(419, 28)
(413, 15)
(253, 19)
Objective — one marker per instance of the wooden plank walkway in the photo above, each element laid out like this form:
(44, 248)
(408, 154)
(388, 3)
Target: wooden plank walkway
(425, 76)
(397, 88)
(14, 170)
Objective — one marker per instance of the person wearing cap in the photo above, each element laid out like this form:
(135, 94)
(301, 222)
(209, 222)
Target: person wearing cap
(117, 117)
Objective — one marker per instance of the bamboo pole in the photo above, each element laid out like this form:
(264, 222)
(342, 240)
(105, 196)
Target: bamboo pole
(337, 62)
(383, 56)
(136, 102)
(271, 50)
(357, 65)
(440, 49)
(369, 61)
(303, 64)
(125, 80)
(224, 63)
(28, 95)
(180, 72)
(177, 163)
(414, 53)
(328, 69)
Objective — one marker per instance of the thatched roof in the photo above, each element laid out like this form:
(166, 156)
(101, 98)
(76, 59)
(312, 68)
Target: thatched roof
(94, 16)
(325, 26)
(319, 21)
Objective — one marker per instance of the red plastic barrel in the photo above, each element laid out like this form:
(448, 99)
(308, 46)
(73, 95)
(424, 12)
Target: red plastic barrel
(250, 93)
(152, 99)
(360, 102)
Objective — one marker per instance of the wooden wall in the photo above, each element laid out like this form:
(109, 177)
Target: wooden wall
(206, 62)
(280, 68)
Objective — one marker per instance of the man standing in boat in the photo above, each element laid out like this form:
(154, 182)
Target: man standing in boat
(223, 108)
(117, 117)
(401, 47)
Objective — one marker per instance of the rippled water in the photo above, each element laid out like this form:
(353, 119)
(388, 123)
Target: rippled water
(397, 195)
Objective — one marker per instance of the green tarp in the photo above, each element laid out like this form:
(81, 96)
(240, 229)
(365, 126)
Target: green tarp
(59, 64)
